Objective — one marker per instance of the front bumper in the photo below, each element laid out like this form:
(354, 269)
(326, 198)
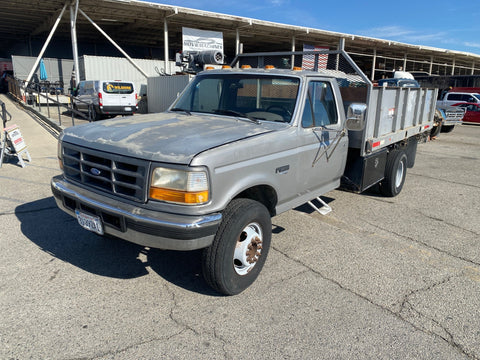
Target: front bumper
(138, 225)
(452, 122)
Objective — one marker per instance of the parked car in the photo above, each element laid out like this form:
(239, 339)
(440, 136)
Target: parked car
(472, 112)
(105, 99)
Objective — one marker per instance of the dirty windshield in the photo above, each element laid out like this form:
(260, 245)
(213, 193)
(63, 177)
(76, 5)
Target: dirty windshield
(256, 97)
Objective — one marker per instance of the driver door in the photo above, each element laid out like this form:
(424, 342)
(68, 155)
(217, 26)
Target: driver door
(323, 141)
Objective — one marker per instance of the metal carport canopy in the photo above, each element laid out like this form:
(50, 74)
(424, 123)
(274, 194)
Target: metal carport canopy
(141, 23)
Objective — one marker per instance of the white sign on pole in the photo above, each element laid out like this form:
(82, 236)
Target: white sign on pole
(201, 40)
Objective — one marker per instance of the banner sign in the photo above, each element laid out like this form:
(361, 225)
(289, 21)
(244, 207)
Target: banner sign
(308, 61)
(201, 40)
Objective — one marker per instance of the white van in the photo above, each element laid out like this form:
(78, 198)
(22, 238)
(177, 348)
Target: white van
(106, 98)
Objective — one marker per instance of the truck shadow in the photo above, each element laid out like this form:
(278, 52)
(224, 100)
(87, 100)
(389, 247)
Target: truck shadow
(59, 235)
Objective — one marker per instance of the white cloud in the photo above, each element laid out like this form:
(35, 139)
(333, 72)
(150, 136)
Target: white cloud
(472, 44)
(401, 34)
(277, 2)
(387, 32)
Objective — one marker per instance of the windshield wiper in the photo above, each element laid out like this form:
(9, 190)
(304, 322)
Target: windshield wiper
(237, 113)
(179, 109)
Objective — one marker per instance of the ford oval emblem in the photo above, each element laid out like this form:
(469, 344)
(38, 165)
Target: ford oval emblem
(95, 171)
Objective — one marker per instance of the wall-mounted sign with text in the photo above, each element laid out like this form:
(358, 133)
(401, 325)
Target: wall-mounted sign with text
(201, 40)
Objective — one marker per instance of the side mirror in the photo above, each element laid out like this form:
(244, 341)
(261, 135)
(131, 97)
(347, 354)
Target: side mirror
(356, 116)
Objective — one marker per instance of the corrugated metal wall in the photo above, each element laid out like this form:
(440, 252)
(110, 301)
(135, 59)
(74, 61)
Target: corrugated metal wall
(93, 68)
(163, 90)
(57, 69)
(115, 68)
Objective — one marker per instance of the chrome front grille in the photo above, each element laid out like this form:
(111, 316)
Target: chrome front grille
(454, 115)
(115, 174)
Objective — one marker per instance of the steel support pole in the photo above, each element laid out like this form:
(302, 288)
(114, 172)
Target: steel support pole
(37, 61)
(114, 43)
(293, 50)
(431, 66)
(73, 31)
(374, 64)
(166, 47)
(237, 45)
(237, 42)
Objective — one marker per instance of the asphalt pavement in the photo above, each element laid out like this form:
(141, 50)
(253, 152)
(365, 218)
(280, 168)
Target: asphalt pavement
(377, 278)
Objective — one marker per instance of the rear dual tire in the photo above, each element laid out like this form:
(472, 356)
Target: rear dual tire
(395, 173)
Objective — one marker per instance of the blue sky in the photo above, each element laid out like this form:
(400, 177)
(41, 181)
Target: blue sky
(453, 25)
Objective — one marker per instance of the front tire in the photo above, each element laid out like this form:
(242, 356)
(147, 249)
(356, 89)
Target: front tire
(435, 131)
(395, 173)
(447, 128)
(238, 252)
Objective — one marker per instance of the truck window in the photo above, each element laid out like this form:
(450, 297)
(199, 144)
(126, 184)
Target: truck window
(320, 107)
(455, 97)
(117, 87)
(264, 97)
(89, 87)
(207, 96)
(81, 87)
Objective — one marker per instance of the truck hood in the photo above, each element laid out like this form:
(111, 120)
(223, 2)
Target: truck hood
(164, 137)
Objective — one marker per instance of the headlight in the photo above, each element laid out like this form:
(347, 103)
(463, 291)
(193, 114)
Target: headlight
(179, 186)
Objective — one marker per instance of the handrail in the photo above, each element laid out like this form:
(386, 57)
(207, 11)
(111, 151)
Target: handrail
(33, 92)
(4, 114)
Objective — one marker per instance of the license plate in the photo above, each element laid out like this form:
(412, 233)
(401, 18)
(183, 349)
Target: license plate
(89, 222)
(128, 108)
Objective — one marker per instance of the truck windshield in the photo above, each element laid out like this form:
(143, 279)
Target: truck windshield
(260, 97)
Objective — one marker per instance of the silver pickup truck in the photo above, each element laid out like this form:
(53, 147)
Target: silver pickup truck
(239, 146)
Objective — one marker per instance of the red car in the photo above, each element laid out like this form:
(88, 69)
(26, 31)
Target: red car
(472, 114)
